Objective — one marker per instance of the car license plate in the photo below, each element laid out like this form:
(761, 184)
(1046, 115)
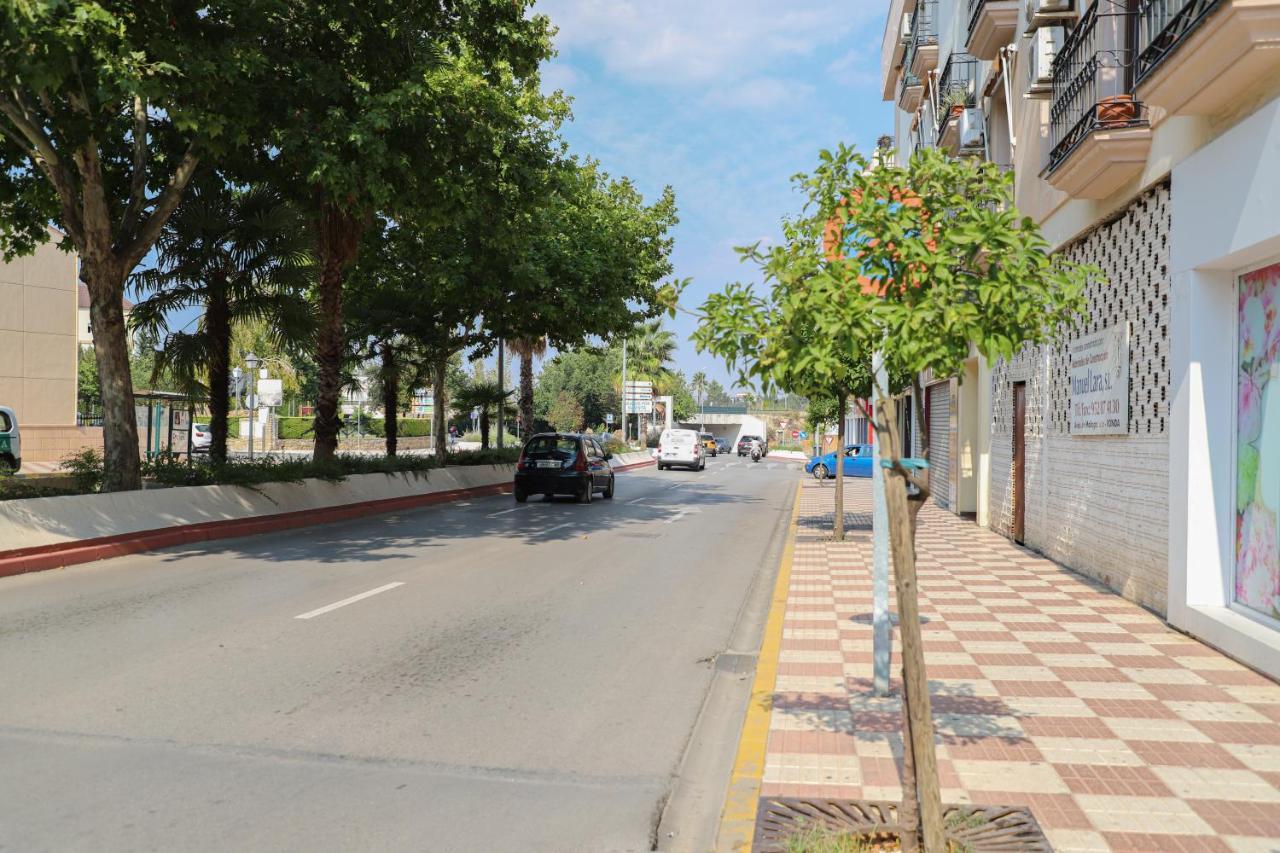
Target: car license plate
(548, 463)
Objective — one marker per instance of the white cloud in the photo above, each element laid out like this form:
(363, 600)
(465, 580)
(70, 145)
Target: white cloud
(700, 42)
(760, 93)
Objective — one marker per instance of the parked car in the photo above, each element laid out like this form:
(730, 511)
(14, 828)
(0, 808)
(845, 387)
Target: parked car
(563, 463)
(744, 445)
(722, 445)
(10, 441)
(709, 444)
(201, 438)
(858, 460)
(680, 447)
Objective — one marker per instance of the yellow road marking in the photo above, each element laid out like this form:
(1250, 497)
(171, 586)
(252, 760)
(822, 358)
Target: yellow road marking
(738, 819)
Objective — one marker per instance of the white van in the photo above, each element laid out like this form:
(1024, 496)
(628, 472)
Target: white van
(680, 447)
(10, 442)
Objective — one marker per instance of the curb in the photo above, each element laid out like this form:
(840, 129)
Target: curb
(742, 801)
(61, 555)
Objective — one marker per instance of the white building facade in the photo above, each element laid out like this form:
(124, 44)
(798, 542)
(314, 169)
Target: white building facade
(1144, 138)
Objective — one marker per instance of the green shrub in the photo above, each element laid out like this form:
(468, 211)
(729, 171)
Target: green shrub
(414, 427)
(294, 427)
(492, 456)
(85, 468)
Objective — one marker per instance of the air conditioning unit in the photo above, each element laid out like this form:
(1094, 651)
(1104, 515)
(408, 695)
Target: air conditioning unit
(1044, 46)
(973, 130)
(1043, 13)
(904, 34)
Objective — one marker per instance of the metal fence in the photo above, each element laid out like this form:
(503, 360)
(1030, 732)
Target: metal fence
(957, 87)
(1162, 26)
(1093, 79)
(924, 23)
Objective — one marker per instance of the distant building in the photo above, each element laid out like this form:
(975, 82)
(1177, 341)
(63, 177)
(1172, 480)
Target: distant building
(84, 328)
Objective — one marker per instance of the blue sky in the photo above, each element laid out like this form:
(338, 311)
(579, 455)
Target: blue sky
(724, 100)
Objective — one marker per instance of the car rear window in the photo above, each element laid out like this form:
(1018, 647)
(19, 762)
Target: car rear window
(5, 423)
(551, 446)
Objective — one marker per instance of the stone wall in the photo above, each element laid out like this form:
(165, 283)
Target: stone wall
(1099, 504)
(53, 443)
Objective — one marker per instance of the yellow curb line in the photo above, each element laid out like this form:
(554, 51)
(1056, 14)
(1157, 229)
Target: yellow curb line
(738, 819)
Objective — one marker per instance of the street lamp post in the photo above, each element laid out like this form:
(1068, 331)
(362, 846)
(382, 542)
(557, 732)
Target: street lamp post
(252, 361)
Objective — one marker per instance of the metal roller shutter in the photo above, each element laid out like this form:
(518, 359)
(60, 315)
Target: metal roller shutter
(940, 443)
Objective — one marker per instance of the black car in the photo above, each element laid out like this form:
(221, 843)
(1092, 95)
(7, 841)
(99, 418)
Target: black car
(563, 463)
(744, 445)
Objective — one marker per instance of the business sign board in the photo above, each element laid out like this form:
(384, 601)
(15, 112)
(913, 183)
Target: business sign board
(1098, 369)
(270, 392)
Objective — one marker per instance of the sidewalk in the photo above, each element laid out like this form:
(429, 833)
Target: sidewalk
(1049, 691)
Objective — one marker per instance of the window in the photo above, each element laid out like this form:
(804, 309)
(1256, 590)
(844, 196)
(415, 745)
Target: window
(6, 423)
(1257, 570)
(550, 445)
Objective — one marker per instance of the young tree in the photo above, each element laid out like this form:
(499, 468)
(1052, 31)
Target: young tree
(107, 109)
(240, 255)
(920, 262)
(565, 414)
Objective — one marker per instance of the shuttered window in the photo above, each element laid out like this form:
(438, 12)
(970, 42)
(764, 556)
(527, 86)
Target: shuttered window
(940, 443)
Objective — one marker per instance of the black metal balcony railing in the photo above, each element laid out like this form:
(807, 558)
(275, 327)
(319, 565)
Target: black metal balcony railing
(1163, 25)
(957, 87)
(924, 23)
(909, 80)
(975, 11)
(1093, 79)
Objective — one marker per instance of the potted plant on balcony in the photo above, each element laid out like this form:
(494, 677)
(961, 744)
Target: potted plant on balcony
(953, 100)
(1117, 111)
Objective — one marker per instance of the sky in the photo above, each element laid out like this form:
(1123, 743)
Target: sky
(724, 100)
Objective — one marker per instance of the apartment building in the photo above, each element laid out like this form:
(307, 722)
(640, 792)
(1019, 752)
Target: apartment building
(1144, 138)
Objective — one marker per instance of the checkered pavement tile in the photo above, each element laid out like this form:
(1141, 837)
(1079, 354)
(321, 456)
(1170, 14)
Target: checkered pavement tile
(1048, 691)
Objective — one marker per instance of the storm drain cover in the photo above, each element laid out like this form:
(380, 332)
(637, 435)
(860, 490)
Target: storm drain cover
(969, 827)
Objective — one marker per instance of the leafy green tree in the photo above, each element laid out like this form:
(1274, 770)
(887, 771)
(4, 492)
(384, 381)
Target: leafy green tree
(920, 262)
(565, 413)
(88, 393)
(108, 108)
(587, 375)
(717, 395)
(409, 108)
(239, 255)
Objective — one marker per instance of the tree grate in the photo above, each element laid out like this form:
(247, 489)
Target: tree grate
(1000, 829)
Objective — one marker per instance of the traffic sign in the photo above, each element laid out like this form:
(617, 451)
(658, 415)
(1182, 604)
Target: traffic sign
(795, 433)
(271, 392)
(608, 417)
(804, 434)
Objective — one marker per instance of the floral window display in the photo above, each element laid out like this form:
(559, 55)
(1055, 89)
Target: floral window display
(1257, 576)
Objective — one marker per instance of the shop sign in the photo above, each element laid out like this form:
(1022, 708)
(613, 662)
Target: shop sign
(1098, 368)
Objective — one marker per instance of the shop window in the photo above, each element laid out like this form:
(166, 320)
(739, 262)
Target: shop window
(1257, 574)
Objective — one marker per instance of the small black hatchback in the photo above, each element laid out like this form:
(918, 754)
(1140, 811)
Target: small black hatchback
(563, 463)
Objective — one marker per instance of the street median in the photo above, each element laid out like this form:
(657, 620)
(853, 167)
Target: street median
(53, 532)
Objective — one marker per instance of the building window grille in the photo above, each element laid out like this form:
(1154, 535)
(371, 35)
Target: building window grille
(957, 88)
(1093, 79)
(1163, 25)
(924, 23)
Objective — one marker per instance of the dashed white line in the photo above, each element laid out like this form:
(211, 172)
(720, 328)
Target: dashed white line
(344, 602)
(557, 527)
(637, 500)
(681, 513)
(505, 511)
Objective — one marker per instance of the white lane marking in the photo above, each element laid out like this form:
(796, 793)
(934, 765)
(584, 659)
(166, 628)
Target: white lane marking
(344, 602)
(504, 512)
(636, 501)
(557, 527)
(681, 513)
(772, 465)
(463, 503)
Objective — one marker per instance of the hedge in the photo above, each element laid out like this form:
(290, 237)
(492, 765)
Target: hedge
(374, 427)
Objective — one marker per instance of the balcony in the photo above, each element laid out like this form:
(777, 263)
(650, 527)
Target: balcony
(924, 38)
(910, 90)
(1099, 134)
(992, 24)
(957, 92)
(1197, 57)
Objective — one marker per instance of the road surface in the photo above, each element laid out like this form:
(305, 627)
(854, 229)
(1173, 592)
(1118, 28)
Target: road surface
(478, 676)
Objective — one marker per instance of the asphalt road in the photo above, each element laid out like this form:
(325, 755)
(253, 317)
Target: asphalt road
(539, 677)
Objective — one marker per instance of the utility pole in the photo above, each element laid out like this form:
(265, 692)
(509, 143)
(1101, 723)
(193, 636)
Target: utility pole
(502, 386)
(624, 390)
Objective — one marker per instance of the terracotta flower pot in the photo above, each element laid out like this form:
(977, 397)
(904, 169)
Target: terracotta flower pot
(1117, 111)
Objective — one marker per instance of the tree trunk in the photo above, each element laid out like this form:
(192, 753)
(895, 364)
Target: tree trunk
(915, 685)
(339, 239)
(909, 811)
(217, 318)
(390, 396)
(484, 428)
(122, 467)
(526, 393)
(837, 532)
(438, 408)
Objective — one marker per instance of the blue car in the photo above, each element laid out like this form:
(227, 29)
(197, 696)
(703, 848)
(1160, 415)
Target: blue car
(858, 459)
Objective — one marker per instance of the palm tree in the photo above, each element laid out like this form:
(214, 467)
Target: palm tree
(486, 396)
(527, 349)
(698, 385)
(651, 349)
(239, 255)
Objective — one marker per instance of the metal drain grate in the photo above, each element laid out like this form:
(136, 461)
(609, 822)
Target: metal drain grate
(999, 829)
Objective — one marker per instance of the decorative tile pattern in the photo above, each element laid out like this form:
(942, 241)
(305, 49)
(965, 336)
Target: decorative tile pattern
(1048, 691)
